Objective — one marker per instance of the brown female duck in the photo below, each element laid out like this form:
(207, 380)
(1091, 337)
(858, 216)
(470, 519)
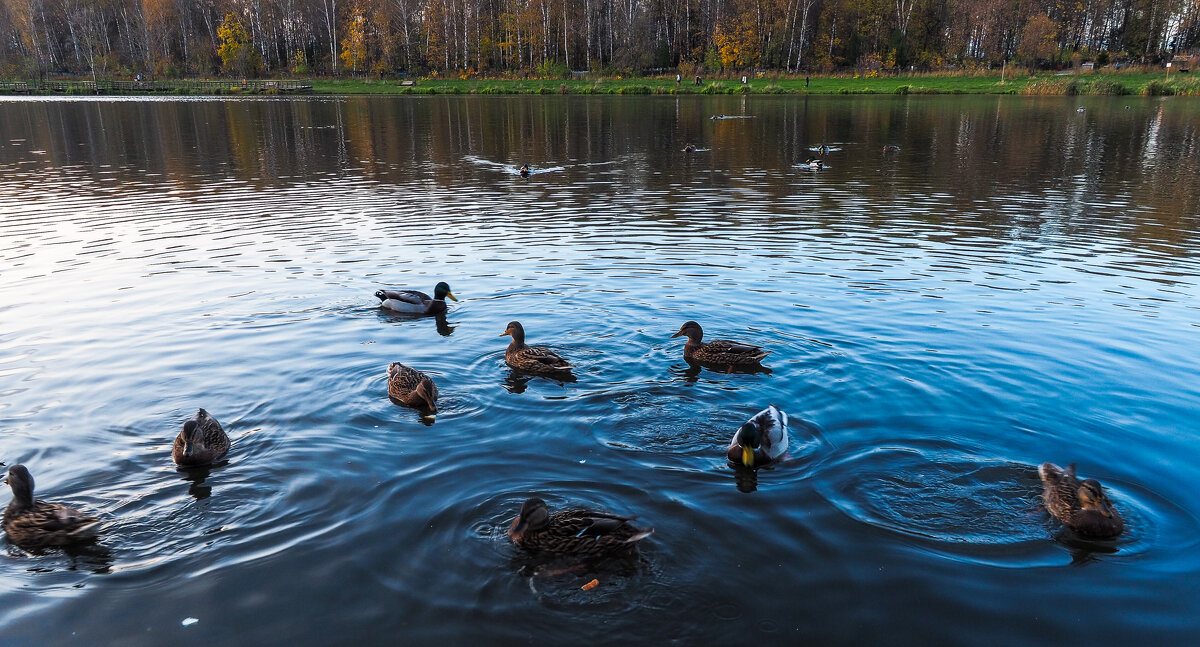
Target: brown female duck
(1082, 505)
(200, 442)
(573, 532)
(718, 352)
(34, 524)
(537, 360)
(412, 387)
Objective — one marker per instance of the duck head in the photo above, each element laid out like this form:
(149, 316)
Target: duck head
(692, 329)
(533, 516)
(21, 482)
(425, 391)
(516, 330)
(748, 438)
(191, 436)
(441, 291)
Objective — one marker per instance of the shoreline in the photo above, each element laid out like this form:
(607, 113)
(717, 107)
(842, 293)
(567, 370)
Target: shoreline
(1135, 83)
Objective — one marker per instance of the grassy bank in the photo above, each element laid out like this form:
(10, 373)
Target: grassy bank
(1091, 83)
(1131, 83)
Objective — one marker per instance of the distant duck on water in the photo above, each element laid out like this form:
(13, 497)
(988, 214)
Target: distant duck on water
(761, 440)
(537, 360)
(1081, 504)
(34, 524)
(718, 352)
(586, 533)
(201, 441)
(414, 302)
(524, 171)
(412, 387)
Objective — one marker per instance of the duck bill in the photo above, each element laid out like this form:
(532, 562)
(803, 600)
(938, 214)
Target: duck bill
(747, 457)
(517, 530)
(676, 334)
(451, 296)
(506, 333)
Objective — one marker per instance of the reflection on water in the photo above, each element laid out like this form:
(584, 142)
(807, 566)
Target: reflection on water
(1014, 284)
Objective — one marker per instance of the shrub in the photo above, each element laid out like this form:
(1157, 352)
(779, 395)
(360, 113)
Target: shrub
(1109, 86)
(904, 89)
(1157, 88)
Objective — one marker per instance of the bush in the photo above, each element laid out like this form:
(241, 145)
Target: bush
(634, 89)
(904, 89)
(1109, 86)
(1157, 88)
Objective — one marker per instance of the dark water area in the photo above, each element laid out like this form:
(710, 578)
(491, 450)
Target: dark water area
(1017, 284)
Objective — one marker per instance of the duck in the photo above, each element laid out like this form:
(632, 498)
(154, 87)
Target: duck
(891, 148)
(531, 359)
(412, 387)
(524, 171)
(415, 302)
(761, 440)
(814, 162)
(719, 352)
(200, 442)
(689, 148)
(1082, 505)
(822, 149)
(34, 524)
(585, 533)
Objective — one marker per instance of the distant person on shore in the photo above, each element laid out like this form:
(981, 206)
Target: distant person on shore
(806, 81)
(678, 79)
(697, 79)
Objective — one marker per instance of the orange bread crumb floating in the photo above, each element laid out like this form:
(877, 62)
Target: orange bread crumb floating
(590, 585)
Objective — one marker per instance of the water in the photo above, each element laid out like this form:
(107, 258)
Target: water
(1016, 285)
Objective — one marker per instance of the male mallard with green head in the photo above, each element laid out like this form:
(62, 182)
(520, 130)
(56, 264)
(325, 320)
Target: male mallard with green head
(1082, 505)
(537, 360)
(718, 352)
(412, 387)
(761, 440)
(573, 532)
(200, 442)
(34, 524)
(414, 302)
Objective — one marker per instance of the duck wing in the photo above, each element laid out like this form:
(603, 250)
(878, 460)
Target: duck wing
(546, 358)
(773, 429)
(735, 348)
(408, 296)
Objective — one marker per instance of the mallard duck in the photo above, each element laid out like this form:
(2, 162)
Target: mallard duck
(718, 352)
(200, 442)
(891, 148)
(33, 524)
(822, 149)
(761, 440)
(412, 387)
(1082, 505)
(814, 162)
(689, 148)
(416, 302)
(573, 532)
(531, 359)
(524, 171)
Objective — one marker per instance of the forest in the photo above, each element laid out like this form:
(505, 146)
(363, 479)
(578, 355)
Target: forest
(553, 38)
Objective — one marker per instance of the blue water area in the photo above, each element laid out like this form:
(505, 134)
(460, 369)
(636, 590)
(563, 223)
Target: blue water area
(1017, 283)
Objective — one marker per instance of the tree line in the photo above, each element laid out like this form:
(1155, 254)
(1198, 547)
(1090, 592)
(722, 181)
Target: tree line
(246, 38)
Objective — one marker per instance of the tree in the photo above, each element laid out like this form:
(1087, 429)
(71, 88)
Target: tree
(1039, 39)
(238, 56)
(354, 45)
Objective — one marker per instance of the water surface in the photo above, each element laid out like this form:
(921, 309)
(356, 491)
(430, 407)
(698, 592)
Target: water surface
(1017, 284)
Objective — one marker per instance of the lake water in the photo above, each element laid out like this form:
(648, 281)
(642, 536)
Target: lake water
(1017, 284)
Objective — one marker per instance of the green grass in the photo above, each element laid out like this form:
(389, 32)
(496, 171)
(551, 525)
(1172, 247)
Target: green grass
(1100, 83)
(1015, 82)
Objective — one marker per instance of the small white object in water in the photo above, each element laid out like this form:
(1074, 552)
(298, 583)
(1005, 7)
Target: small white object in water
(582, 461)
(190, 621)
